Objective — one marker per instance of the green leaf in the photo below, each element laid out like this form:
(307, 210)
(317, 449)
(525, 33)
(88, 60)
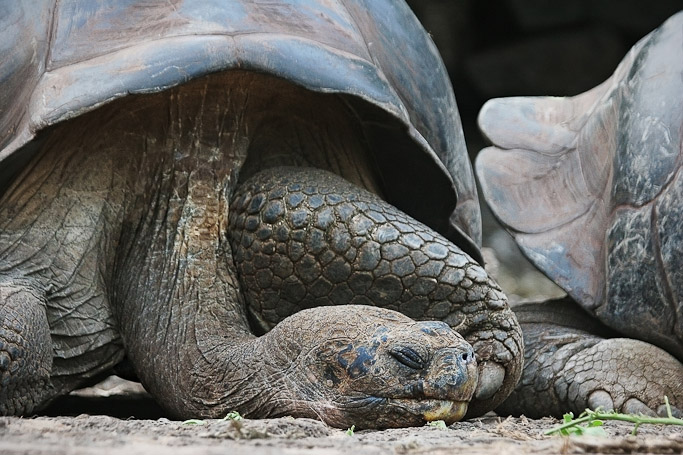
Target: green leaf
(349, 432)
(591, 422)
(233, 415)
(568, 417)
(594, 431)
(440, 424)
(194, 422)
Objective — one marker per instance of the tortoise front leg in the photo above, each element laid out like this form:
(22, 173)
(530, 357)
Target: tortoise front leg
(570, 368)
(303, 237)
(25, 349)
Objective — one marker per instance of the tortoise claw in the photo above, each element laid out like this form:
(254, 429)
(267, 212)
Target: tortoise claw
(491, 378)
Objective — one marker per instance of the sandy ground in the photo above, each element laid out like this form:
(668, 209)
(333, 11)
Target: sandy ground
(133, 425)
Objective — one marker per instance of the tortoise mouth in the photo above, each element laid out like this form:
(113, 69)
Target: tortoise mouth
(431, 409)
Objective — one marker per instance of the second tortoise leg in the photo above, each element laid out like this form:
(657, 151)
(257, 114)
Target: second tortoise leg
(25, 349)
(569, 367)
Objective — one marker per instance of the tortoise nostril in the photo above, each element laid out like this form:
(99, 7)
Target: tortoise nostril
(467, 357)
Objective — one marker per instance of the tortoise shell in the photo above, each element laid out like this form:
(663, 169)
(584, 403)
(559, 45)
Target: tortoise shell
(62, 59)
(591, 187)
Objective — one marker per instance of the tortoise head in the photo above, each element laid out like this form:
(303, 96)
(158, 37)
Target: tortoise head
(376, 368)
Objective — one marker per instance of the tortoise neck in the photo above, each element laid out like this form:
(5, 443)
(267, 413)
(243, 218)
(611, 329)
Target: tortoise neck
(174, 287)
(153, 175)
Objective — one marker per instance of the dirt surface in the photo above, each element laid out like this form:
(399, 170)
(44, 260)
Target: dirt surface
(75, 425)
(87, 434)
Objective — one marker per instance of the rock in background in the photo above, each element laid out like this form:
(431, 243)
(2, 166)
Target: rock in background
(498, 48)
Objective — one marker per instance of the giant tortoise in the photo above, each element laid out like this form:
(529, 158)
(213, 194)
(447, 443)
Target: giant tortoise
(591, 189)
(224, 199)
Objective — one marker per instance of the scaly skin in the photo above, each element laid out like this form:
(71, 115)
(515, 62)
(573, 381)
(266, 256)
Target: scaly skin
(121, 241)
(25, 360)
(303, 237)
(570, 366)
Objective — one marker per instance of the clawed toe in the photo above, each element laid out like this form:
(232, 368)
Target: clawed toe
(567, 369)
(663, 411)
(491, 378)
(600, 399)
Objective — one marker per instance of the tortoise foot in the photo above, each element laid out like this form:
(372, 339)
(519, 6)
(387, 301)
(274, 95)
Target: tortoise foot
(571, 369)
(25, 350)
(603, 400)
(623, 375)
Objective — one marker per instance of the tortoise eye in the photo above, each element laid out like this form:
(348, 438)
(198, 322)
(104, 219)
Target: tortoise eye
(407, 357)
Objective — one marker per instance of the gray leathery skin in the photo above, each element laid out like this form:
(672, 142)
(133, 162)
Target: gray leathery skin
(571, 364)
(25, 349)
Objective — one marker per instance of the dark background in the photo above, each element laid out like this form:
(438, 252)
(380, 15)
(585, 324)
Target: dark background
(498, 48)
(495, 48)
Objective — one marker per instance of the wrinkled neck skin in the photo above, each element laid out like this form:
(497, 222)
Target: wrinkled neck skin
(174, 159)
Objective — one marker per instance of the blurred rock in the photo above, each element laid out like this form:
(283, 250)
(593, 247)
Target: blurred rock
(631, 16)
(520, 281)
(571, 32)
(112, 385)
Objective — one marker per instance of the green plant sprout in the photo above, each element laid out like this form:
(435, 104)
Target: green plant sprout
(193, 422)
(232, 415)
(440, 424)
(350, 431)
(590, 422)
